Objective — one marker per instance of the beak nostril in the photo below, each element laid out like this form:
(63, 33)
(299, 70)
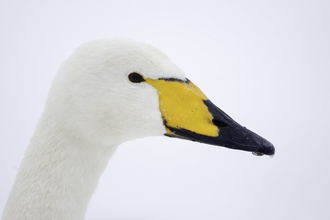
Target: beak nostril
(219, 123)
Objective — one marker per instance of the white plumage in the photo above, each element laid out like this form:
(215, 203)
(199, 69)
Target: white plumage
(91, 108)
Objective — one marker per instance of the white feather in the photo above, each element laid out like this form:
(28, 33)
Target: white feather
(91, 108)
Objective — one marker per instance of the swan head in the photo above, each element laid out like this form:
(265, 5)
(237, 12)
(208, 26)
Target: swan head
(115, 90)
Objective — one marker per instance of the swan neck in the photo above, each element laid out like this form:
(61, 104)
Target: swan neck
(57, 177)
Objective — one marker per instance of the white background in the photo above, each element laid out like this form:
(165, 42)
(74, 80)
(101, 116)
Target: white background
(265, 63)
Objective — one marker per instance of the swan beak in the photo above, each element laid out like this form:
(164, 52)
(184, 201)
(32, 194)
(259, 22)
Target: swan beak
(188, 114)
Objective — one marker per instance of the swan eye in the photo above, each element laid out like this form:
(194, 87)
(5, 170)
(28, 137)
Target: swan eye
(135, 77)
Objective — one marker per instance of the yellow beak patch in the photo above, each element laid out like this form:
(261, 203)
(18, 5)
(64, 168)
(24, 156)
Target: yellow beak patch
(182, 107)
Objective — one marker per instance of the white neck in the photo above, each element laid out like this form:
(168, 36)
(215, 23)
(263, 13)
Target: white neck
(57, 177)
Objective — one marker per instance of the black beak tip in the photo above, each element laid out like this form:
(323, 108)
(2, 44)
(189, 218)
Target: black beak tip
(266, 148)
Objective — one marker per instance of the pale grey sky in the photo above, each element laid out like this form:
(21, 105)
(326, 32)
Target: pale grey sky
(265, 63)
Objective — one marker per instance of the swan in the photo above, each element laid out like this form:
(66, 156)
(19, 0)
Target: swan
(108, 92)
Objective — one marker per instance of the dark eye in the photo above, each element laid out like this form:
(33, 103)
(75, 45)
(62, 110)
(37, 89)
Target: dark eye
(135, 77)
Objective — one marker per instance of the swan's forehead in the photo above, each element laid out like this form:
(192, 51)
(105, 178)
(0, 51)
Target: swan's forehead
(126, 56)
(150, 62)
